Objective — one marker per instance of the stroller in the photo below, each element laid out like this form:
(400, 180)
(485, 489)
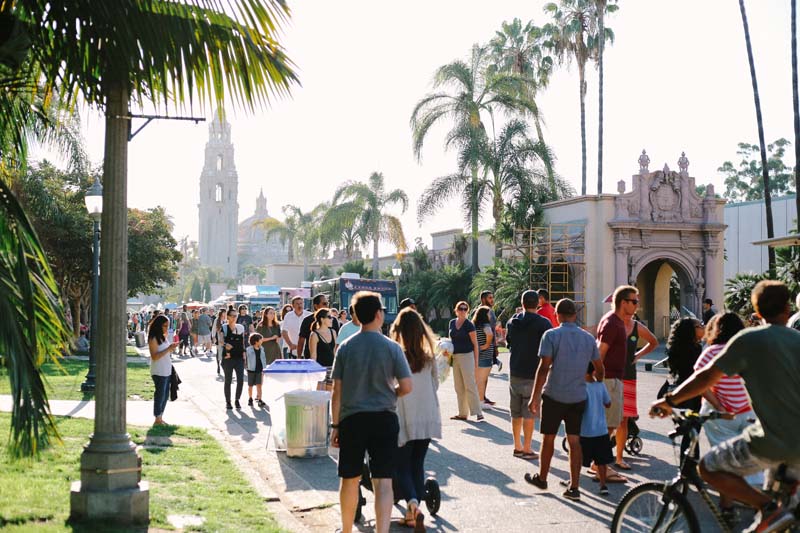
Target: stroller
(633, 444)
(433, 496)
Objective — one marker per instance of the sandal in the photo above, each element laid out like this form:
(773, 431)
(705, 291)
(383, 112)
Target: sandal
(518, 453)
(458, 417)
(623, 465)
(530, 455)
(611, 478)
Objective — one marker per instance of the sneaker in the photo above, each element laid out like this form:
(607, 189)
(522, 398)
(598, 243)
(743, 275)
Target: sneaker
(250, 402)
(228, 406)
(536, 481)
(238, 405)
(603, 490)
(771, 518)
(573, 494)
(261, 404)
(487, 401)
(479, 418)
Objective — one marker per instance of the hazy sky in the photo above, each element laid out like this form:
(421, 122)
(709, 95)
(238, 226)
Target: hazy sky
(675, 79)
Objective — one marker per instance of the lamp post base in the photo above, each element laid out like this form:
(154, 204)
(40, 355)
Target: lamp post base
(87, 386)
(129, 506)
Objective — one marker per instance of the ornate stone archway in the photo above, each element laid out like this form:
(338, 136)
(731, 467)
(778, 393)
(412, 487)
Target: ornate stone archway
(664, 219)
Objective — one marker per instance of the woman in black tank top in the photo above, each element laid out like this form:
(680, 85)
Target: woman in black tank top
(322, 344)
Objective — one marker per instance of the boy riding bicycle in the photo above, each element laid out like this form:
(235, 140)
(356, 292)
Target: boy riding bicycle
(767, 358)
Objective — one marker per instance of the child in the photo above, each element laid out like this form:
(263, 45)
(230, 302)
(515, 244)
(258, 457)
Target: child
(595, 443)
(256, 361)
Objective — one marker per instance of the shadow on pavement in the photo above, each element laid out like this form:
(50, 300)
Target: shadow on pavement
(445, 463)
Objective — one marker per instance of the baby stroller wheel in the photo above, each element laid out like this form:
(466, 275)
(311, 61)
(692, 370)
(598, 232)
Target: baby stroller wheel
(433, 496)
(634, 445)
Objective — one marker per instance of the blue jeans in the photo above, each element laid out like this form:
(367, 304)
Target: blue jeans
(161, 395)
(411, 470)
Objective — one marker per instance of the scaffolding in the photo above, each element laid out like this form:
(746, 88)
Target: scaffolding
(556, 261)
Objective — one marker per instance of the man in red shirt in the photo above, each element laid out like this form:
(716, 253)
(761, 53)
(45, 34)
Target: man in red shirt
(545, 309)
(612, 337)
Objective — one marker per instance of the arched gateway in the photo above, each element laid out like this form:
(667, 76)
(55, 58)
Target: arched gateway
(661, 237)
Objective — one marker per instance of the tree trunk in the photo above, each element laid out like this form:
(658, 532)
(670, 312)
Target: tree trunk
(290, 255)
(375, 264)
(761, 143)
(497, 214)
(75, 309)
(474, 219)
(601, 32)
(582, 81)
(548, 164)
(796, 107)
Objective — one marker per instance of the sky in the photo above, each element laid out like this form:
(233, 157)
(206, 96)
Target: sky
(676, 79)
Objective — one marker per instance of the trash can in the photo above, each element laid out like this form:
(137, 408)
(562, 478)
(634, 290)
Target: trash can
(282, 376)
(307, 423)
(141, 340)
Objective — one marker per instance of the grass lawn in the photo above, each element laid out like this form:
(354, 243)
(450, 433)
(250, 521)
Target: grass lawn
(188, 471)
(65, 383)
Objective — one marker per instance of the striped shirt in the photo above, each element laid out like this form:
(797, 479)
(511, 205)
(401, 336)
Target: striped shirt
(729, 391)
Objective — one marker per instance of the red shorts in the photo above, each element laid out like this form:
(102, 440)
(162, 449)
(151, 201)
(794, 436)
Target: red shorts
(629, 409)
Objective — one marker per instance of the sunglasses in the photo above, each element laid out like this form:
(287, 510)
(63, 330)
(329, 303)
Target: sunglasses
(632, 300)
(463, 309)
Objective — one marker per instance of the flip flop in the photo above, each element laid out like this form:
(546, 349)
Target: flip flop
(518, 453)
(530, 455)
(623, 466)
(457, 417)
(611, 478)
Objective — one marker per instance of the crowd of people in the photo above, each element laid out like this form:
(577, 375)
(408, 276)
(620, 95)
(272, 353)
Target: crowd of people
(385, 388)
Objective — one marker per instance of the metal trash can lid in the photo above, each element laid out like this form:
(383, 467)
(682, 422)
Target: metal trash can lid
(294, 366)
(307, 397)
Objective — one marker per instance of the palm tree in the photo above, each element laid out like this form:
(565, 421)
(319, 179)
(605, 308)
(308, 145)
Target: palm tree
(174, 53)
(340, 227)
(796, 108)
(519, 49)
(285, 231)
(601, 7)
(762, 145)
(374, 222)
(473, 93)
(300, 230)
(569, 37)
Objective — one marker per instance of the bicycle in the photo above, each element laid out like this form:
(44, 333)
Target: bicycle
(664, 506)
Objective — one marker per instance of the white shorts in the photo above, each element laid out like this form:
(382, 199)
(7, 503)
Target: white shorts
(204, 339)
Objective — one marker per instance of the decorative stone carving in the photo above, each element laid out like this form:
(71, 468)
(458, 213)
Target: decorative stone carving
(646, 235)
(684, 240)
(683, 165)
(621, 186)
(666, 197)
(710, 190)
(644, 163)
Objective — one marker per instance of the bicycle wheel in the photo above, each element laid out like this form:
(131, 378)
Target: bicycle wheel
(642, 509)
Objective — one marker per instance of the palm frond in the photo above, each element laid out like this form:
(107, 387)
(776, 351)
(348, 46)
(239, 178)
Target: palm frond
(34, 328)
(438, 192)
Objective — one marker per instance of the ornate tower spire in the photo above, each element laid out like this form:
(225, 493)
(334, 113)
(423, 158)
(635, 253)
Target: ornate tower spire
(261, 205)
(218, 207)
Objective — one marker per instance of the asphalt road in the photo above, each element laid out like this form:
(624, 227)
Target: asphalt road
(481, 482)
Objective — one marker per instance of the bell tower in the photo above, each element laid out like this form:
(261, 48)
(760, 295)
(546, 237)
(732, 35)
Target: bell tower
(218, 207)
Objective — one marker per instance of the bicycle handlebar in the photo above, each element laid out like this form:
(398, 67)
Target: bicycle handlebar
(687, 419)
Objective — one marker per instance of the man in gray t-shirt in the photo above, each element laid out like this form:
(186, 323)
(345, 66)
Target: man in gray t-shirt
(365, 371)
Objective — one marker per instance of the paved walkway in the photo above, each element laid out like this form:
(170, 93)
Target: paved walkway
(481, 482)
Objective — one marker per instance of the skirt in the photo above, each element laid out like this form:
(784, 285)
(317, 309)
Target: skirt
(629, 409)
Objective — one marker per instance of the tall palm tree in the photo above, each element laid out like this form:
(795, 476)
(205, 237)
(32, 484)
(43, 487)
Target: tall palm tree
(519, 49)
(761, 143)
(471, 94)
(796, 109)
(601, 8)
(299, 229)
(285, 231)
(374, 222)
(340, 227)
(173, 53)
(569, 37)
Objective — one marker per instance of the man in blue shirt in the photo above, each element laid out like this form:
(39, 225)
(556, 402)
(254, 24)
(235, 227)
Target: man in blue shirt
(559, 393)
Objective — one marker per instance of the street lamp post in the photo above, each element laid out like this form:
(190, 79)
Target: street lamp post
(94, 204)
(397, 271)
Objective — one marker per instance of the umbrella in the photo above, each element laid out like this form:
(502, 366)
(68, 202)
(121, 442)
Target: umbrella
(195, 305)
